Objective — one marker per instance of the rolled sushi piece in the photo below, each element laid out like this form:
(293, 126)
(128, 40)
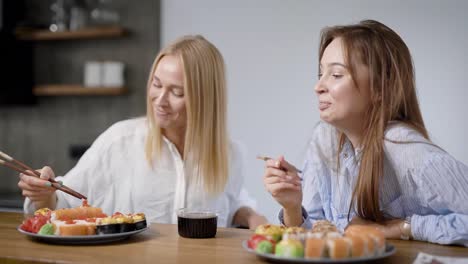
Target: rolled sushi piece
(358, 245)
(274, 232)
(289, 248)
(77, 213)
(43, 211)
(107, 225)
(297, 233)
(376, 236)
(338, 248)
(315, 246)
(125, 223)
(324, 226)
(140, 220)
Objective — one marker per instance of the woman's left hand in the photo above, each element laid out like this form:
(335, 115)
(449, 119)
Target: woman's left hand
(390, 228)
(247, 217)
(256, 220)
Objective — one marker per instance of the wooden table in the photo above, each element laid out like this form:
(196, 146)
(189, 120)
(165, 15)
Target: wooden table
(162, 244)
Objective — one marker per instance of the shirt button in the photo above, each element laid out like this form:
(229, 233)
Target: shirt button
(345, 155)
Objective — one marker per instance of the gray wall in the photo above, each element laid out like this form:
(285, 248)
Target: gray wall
(41, 135)
(270, 47)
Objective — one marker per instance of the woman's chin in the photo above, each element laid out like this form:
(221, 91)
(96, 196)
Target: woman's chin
(325, 118)
(163, 123)
(328, 119)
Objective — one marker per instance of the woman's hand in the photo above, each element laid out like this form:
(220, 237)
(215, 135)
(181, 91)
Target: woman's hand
(283, 183)
(247, 217)
(256, 220)
(39, 190)
(390, 228)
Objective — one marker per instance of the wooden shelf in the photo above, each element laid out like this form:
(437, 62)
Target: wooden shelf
(77, 90)
(86, 33)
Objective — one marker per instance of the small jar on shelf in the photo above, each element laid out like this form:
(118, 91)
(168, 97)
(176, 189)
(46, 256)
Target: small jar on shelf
(104, 13)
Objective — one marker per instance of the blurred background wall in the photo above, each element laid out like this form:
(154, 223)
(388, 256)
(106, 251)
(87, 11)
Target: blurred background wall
(271, 47)
(42, 134)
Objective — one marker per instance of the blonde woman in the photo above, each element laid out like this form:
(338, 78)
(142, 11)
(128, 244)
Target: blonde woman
(178, 156)
(370, 160)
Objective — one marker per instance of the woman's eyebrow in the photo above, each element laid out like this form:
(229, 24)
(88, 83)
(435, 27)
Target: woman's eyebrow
(334, 64)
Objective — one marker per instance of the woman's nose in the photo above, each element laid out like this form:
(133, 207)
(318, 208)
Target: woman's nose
(320, 87)
(161, 99)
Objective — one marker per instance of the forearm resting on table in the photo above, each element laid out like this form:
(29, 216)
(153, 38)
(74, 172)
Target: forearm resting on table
(247, 217)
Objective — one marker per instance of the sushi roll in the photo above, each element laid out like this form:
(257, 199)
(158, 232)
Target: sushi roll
(107, 225)
(120, 223)
(295, 232)
(125, 223)
(338, 248)
(74, 228)
(274, 232)
(323, 226)
(315, 246)
(358, 245)
(43, 211)
(375, 238)
(140, 220)
(328, 234)
(81, 213)
(289, 248)
(369, 243)
(379, 239)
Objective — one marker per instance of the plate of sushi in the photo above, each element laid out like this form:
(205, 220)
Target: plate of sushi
(81, 225)
(322, 244)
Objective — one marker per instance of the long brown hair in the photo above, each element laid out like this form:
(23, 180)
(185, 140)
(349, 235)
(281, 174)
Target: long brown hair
(392, 95)
(206, 140)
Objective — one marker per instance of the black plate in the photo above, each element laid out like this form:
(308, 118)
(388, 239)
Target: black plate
(389, 250)
(81, 240)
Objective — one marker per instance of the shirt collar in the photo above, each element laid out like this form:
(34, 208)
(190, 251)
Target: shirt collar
(348, 151)
(172, 147)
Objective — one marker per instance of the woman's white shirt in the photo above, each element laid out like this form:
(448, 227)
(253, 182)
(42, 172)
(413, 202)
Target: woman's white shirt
(115, 175)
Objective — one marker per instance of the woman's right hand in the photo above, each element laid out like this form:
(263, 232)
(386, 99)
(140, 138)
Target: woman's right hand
(283, 183)
(39, 190)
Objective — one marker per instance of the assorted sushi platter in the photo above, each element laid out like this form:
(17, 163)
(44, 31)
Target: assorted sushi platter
(81, 225)
(322, 244)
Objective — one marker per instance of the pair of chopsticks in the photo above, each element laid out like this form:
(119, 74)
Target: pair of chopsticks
(265, 158)
(20, 167)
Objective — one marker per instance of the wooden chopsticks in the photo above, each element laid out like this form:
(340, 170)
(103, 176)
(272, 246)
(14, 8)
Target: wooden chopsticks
(20, 167)
(265, 158)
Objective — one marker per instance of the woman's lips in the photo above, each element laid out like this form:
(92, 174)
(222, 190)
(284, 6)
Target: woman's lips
(161, 113)
(324, 105)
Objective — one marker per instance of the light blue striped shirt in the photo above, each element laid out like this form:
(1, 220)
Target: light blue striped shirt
(420, 180)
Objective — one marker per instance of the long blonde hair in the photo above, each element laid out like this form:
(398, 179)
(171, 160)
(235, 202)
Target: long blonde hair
(206, 147)
(392, 95)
